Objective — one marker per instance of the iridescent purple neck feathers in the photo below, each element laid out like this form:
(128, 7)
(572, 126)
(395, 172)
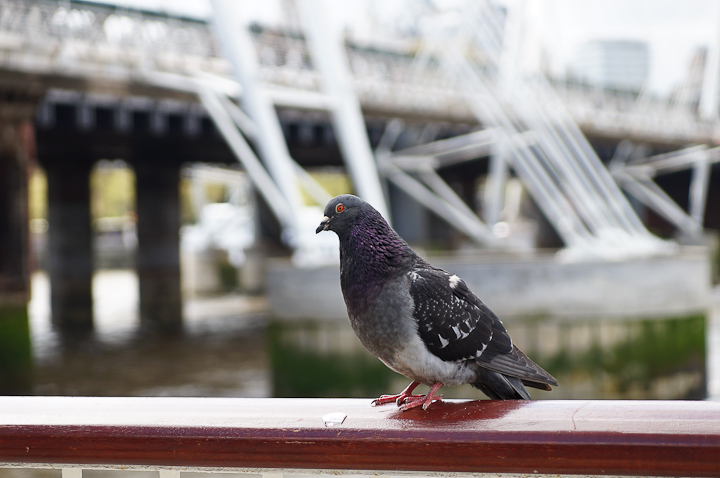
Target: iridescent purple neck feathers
(371, 253)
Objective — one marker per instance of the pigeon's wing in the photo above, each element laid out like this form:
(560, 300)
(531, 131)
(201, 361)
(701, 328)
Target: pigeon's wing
(452, 321)
(456, 326)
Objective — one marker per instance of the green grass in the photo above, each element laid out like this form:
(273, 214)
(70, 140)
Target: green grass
(299, 372)
(654, 348)
(15, 351)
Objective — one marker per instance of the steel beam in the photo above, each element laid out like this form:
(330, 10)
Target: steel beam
(265, 184)
(698, 189)
(461, 218)
(329, 57)
(649, 193)
(235, 39)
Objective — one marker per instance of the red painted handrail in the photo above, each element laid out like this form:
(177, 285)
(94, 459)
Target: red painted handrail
(568, 437)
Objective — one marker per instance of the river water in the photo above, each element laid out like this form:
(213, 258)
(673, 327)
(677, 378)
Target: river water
(232, 348)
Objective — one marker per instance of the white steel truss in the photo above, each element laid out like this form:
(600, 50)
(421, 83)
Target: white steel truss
(636, 176)
(558, 166)
(263, 124)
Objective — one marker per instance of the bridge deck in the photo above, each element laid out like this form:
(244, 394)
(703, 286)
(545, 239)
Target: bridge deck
(103, 52)
(574, 437)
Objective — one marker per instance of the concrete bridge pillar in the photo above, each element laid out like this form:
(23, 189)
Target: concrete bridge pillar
(158, 254)
(70, 239)
(15, 355)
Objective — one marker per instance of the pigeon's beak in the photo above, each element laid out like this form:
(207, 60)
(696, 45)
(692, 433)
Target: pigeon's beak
(323, 225)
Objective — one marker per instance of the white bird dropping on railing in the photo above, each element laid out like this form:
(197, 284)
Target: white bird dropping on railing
(334, 418)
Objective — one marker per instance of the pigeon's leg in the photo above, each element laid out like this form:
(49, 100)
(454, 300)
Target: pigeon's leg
(425, 400)
(400, 397)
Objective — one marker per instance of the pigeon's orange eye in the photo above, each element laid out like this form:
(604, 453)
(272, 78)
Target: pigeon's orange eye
(339, 208)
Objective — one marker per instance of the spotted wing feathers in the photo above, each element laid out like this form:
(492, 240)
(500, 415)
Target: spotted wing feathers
(457, 326)
(452, 321)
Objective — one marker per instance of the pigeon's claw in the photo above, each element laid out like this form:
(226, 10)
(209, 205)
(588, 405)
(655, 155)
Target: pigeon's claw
(405, 400)
(425, 400)
(385, 399)
(402, 400)
(399, 398)
(417, 400)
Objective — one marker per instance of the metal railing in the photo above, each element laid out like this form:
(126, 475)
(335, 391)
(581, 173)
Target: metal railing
(331, 436)
(49, 24)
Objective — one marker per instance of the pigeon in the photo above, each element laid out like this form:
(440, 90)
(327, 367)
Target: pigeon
(419, 320)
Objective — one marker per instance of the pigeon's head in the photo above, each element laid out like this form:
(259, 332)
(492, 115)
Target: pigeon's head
(341, 211)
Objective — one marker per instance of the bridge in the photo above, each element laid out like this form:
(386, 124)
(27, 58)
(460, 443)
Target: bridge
(82, 81)
(110, 54)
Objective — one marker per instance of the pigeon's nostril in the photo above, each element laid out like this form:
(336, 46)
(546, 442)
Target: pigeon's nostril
(323, 225)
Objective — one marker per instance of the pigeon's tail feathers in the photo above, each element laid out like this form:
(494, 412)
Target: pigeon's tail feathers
(517, 385)
(498, 386)
(517, 364)
(538, 385)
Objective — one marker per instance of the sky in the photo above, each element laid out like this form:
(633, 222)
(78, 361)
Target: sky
(673, 29)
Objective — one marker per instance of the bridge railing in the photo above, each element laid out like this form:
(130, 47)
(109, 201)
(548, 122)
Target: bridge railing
(65, 43)
(348, 436)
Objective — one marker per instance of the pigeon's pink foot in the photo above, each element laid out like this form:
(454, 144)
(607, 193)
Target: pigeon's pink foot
(400, 398)
(424, 400)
